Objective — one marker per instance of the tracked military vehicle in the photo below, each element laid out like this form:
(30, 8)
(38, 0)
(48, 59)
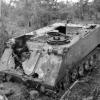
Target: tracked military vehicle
(50, 59)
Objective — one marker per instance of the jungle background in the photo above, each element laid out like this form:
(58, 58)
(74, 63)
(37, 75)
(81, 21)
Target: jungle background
(21, 16)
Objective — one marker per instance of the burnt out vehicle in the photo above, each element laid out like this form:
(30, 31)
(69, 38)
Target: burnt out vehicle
(50, 59)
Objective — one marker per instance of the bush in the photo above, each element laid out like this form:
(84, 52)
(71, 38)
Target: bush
(3, 39)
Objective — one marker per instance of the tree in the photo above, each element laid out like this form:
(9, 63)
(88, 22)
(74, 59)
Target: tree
(3, 33)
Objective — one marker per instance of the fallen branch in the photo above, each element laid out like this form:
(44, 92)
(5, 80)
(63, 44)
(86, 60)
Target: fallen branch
(69, 90)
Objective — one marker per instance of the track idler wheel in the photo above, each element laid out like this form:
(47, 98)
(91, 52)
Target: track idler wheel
(91, 61)
(74, 75)
(86, 65)
(81, 71)
(89, 64)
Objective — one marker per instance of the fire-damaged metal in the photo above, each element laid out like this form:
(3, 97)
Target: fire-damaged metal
(50, 59)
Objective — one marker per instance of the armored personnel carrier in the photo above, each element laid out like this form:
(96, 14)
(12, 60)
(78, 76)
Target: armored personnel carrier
(50, 59)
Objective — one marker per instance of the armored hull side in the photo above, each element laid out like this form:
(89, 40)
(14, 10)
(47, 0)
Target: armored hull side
(82, 48)
(79, 50)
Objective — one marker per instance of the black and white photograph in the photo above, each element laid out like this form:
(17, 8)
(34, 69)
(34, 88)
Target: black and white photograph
(49, 49)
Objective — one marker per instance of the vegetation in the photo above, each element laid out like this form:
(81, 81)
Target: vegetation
(20, 16)
(28, 15)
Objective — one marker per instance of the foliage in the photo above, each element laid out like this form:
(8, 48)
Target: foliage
(97, 5)
(3, 38)
(33, 14)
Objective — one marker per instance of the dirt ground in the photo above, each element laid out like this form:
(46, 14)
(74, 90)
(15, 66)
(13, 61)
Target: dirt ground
(89, 89)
